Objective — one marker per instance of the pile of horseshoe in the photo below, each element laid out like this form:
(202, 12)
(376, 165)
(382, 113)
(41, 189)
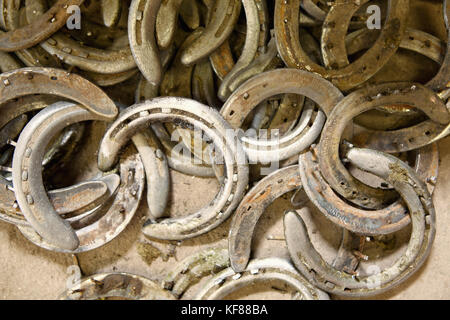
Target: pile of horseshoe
(360, 148)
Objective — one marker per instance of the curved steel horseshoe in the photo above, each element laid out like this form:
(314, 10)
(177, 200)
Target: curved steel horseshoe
(310, 263)
(27, 172)
(103, 224)
(206, 119)
(42, 28)
(252, 207)
(292, 53)
(368, 222)
(35, 80)
(403, 93)
(270, 83)
(260, 270)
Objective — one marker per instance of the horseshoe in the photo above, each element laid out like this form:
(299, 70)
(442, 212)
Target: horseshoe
(35, 80)
(100, 226)
(42, 28)
(414, 40)
(377, 222)
(72, 52)
(252, 207)
(220, 25)
(113, 285)
(260, 270)
(189, 271)
(315, 269)
(184, 111)
(287, 35)
(141, 33)
(335, 55)
(27, 173)
(270, 83)
(256, 14)
(403, 93)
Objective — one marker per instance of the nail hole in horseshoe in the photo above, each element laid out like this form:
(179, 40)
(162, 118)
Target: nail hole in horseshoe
(231, 112)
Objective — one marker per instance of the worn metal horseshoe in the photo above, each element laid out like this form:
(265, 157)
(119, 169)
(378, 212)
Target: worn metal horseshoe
(402, 93)
(185, 111)
(260, 270)
(193, 268)
(274, 82)
(421, 210)
(369, 222)
(46, 25)
(57, 234)
(356, 73)
(116, 285)
(27, 172)
(252, 207)
(36, 80)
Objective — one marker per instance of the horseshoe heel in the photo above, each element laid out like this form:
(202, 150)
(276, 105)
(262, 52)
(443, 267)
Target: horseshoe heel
(219, 27)
(42, 28)
(141, 29)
